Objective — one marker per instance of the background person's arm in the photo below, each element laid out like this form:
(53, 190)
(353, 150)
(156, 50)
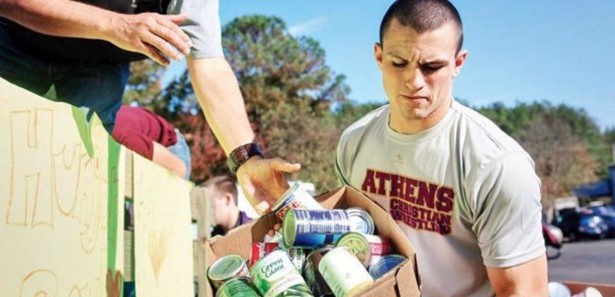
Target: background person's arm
(157, 36)
(164, 157)
(527, 279)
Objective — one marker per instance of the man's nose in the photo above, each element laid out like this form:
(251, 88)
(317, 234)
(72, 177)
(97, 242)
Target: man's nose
(414, 79)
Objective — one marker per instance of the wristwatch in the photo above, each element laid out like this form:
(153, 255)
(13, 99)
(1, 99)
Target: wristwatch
(241, 154)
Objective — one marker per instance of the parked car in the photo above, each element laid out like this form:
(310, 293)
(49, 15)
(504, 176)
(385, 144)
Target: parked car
(554, 238)
(581, 224)
(607, 213)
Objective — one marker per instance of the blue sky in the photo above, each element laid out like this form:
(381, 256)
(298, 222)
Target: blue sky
(562, 51)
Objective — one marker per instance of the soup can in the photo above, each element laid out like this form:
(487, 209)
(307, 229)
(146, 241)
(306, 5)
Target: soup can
(294, 198)
(357, 245)
(275, 276)
(260, 249)
(225, 268)
(343, 272)
(314, 228)
(360, 220)
(237, 287)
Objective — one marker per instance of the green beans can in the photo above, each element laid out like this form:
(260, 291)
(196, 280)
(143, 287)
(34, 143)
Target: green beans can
(275, 276)
(237, 287)
(225, 268)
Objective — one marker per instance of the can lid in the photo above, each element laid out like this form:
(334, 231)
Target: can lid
(385, 264)
(226, 267)
(289, 228)
(283, 200)
(357, 245)
(361, 220)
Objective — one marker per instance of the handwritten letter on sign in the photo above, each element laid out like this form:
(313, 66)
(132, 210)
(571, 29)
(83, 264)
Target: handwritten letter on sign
(53, 198)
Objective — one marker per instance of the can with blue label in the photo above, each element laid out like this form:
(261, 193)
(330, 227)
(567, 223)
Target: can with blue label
(314, 228)
(361, 220)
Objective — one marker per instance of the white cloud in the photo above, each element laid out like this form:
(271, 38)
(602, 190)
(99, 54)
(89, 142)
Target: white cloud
(306, 27)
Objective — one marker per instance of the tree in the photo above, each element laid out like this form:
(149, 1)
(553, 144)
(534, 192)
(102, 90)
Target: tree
(289, 91)
(144, 82)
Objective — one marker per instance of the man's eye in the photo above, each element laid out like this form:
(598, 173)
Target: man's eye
(431, 68)
(399, 64)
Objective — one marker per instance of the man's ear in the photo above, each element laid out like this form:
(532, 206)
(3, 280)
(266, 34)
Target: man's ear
(228, 198)
(378, 54)
(460, 60)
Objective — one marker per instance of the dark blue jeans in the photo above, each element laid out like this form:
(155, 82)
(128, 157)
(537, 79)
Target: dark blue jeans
(95, 86)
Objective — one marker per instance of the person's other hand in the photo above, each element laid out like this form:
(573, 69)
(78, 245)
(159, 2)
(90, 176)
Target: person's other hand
(263, 181)
(154, 35)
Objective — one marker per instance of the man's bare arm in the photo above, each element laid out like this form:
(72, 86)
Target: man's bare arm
(157, 36)
(527, 279)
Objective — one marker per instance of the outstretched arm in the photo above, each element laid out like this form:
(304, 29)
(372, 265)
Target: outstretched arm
(215, 84)
(157, 36)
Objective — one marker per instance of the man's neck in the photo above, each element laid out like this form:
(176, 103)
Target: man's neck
(233, 220)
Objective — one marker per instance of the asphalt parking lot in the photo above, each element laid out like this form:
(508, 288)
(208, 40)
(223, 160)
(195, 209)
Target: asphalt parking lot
(585, 261)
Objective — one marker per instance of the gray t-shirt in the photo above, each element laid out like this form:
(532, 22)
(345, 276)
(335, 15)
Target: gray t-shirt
(202, 26)
(463, 191)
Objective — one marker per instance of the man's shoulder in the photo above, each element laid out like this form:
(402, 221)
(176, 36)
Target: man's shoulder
(367, 122)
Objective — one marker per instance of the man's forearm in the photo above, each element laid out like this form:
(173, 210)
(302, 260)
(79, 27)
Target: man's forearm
(220, 98)
(64, 18)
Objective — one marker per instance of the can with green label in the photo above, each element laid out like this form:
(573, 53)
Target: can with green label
(237, 287)
(275, 275)
(225, 268)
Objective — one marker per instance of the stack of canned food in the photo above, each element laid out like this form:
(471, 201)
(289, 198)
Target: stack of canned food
(318, 252)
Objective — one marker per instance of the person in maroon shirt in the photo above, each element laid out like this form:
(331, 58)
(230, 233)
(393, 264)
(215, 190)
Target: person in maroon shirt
(152, 137)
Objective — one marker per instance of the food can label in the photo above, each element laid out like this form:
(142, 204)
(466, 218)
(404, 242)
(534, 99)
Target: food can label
(274, 274)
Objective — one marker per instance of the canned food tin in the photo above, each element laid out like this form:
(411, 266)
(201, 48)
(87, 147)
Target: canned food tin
(312, 276)
(237, 287)
(343, 272)
(383, 264)
(275, 276)
(378, 245)
(357, 245)
(314, 228)
(260, 249)
(225, 268)
(297, 257)
(361, 221)
(294, 198)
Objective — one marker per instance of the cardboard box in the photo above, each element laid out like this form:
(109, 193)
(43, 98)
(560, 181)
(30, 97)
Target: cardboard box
(578, 287)
(401, 281)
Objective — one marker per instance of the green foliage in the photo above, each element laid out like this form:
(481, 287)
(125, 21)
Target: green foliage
(144, 82)
(289, 90)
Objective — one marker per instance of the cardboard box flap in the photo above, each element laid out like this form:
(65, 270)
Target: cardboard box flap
(578, 287)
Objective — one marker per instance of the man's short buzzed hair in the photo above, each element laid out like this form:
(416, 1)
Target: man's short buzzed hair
(422, 16)
(223, 184)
